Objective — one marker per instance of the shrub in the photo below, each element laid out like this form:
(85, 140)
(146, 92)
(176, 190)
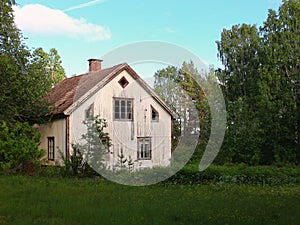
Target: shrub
(76, 164)
(19, 149)
(237, 174)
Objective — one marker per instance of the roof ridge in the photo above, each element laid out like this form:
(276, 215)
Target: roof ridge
(90, 73)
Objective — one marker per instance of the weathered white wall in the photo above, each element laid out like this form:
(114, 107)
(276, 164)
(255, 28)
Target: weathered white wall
(124, 133)
(56, 129)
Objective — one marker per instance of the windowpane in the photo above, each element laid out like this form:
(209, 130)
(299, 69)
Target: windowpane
(154, 114)
(89, 112)
(117, 115)
(144, 148)
(51, 148)
(147, 149)
(117, 109)
(123, 109)
(129, 109)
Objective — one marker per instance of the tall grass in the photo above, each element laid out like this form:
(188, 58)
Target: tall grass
(40, 200)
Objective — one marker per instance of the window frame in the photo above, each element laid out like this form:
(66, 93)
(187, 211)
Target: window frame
(142, 154)
(122, 84)
(126, 112)
(51, 148)
(89, 112)
(156, 119)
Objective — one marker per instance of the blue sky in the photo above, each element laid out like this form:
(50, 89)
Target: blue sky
(83, 29)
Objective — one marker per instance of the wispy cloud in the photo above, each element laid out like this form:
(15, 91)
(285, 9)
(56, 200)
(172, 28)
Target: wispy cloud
(169, 30)
(87, 4)
(39, 19)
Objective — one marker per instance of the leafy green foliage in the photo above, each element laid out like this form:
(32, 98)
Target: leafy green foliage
(180, 88)
(25, 79)
(261, 85)
(87, 156)
(76, 164)
(237, 174)
(121, 159)
(18, 146)
(50, 64)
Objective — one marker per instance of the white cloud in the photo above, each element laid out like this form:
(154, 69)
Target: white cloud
(39, 19)
(169, 30)
(87, 4)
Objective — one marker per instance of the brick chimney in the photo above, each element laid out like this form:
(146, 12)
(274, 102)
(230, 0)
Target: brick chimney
(94, 65)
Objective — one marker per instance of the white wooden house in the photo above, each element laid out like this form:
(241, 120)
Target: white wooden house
(139, 122)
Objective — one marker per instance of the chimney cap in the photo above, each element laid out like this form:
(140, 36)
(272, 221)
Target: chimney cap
(94, 65)
(99, 60)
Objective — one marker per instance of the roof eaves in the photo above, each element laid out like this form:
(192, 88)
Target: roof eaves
(93, 90)
(152, 92)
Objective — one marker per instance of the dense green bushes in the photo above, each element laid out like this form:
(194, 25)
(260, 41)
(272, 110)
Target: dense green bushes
(25, 79)
(214, 174)
(18, 146)
(238, 174)
(260, 82)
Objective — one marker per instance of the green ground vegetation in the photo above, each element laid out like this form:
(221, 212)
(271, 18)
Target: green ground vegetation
(40, 200)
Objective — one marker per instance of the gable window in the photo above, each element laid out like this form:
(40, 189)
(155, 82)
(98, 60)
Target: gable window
(51, 148)
(89, 112)
(154, 114)
(123, 109)
(144, 148)
(123, 82)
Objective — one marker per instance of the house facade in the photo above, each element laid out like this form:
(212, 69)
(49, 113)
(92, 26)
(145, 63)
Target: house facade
(139, 123)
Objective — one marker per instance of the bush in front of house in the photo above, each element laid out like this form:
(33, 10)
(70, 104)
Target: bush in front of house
(19, 150)
(76, 165)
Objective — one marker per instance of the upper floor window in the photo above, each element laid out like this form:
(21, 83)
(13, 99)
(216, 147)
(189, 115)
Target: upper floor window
(123, 82)
(89, 111)
(123, 109)
(154, 114)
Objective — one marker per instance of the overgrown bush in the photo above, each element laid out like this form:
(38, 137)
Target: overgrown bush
(76, 164)
(95, 144)
(238, 174)
(19, 149)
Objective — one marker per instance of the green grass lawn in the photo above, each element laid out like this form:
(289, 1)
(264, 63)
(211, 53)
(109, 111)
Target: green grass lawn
(43, 201)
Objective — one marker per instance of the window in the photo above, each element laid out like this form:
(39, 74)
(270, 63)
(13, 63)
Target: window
(123, 109)
(51, 148)
(154, 114)
(89, 111)
(144, 148)
(123, 82)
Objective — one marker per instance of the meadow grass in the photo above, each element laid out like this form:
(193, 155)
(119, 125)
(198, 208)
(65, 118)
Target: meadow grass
(41, 200)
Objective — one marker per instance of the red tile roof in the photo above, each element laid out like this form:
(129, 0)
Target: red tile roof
(64, 94)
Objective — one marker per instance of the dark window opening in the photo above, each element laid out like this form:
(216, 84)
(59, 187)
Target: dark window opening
(123, 82)
(89, 112)
(154, 114)
(51, 148)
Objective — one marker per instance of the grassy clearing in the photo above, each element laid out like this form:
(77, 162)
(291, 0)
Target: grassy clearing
(38, 200)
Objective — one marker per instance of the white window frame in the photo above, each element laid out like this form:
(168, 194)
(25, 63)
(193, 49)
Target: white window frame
(123, 112)
(144, 150)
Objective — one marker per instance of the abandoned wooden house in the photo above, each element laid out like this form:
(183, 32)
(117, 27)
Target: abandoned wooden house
(139, 121)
